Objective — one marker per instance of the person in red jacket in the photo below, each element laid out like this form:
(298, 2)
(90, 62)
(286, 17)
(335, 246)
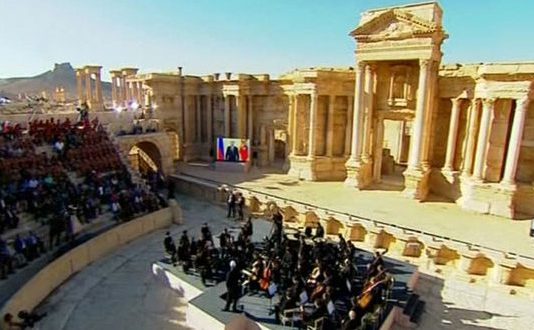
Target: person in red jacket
(243, 151)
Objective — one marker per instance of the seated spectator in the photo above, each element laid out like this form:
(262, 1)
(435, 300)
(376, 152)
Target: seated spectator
(6, 260)
(21, 247)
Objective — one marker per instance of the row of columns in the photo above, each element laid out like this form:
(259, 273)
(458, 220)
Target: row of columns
(245, 118)
(362, 115)
(123, 91)
(477, 145)
(312, 136)
(87, 91)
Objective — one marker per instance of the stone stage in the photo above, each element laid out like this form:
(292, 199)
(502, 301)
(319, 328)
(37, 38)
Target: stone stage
(205, 303)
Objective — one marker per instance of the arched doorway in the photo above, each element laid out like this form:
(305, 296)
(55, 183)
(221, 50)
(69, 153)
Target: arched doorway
(145, 157)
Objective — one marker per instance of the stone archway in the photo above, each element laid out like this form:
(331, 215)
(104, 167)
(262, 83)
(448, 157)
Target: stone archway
(145, 156)
(155, 146)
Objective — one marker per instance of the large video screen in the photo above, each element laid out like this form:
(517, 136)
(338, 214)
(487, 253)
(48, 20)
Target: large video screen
(233, 150)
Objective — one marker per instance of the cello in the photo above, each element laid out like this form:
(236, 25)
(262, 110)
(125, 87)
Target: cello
(265, 281)
(364, 300)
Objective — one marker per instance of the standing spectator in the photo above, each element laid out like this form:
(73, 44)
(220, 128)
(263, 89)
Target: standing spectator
(240, 202)
(56, 227)
(230, 201)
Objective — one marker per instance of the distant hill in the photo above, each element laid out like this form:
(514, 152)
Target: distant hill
(63, 75)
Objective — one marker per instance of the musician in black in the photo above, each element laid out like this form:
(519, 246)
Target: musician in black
(170, 248)
(183, 247)
(277, 227)
(247, 228)
(206, 233)
(318, 312)
(319, 232)
(232, 286)
(352, 322)
(224, 241)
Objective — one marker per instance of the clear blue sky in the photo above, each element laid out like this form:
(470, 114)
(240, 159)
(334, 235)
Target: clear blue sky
(206, 36)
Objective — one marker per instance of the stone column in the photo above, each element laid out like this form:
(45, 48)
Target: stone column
(357, 119)
(133, 91)
(88, 89)
(483, 137)
(209, 119)
(186, 122)
(123, 90)
(241, 116)
(250, 120)
(471, 139)
(79, 84)
(368, 104)
(348, 127)
(98, 88)
(379, 136)
(453, 134)
(227, 118)
(290, 123)
(263, 136)
(330, 127)
(139, 92)
(514, 143)
(414, 161)
(432, 86)
(114, 90)
(271, 145)
(313, 124)
(294, 128)
(198, 121)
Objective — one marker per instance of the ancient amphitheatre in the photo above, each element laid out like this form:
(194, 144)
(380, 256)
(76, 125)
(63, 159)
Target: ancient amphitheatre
(433, 161)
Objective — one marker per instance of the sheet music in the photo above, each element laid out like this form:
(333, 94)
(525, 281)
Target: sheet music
(272, 289)
(330, 307)
(303, 297)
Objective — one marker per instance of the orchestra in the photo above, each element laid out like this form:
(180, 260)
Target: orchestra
(315, 278)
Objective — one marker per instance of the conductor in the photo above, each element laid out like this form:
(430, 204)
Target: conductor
(232, 286)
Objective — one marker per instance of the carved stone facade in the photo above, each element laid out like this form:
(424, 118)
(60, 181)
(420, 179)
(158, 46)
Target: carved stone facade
(399, 117)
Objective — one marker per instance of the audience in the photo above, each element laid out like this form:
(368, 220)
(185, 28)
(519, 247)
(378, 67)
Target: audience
(41, 184)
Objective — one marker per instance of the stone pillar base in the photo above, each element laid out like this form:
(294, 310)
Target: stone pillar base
(415, 184)
(489, 198)
(302, 167)
(355, 174)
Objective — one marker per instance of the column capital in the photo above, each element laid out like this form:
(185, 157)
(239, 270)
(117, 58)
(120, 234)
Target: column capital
(369, 68)
(457, 101)
(360, 66)
(489, 102)
(522, 103)
(424, 63)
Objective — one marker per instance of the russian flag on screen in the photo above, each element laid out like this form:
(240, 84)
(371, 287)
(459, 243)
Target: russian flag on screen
(220, 148)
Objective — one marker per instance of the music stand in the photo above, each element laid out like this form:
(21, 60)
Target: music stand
(271, 291)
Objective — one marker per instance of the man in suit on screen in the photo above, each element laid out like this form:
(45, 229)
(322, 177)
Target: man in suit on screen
(232, 153)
